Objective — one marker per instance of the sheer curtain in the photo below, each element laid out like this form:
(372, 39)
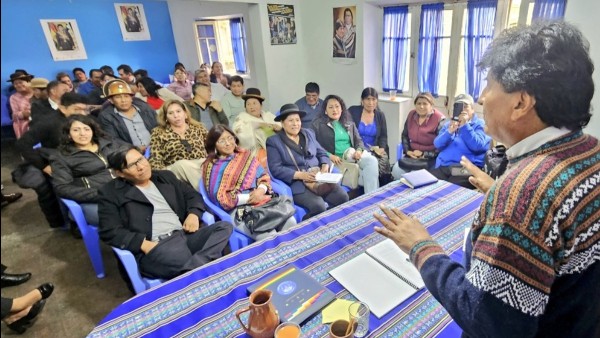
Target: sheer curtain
(430, 47)
(480, 32)
(395, 47)
(549, 9)
(237, 42)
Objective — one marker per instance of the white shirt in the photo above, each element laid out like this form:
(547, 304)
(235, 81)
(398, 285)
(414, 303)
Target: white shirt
(535, 141)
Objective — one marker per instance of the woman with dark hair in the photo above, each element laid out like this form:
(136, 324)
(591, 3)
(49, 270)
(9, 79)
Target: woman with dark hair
(181, 86)
(372, 128)
(20, 102)
(233, 177)
(80, 167)
(217, 76)
(154, 94)
(337, 133)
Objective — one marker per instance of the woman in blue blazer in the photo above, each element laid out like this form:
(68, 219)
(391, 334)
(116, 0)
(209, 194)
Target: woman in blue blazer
(291, 153)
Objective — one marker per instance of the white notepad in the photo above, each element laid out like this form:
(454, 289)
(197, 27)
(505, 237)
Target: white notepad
(381, 277)
(328, 177)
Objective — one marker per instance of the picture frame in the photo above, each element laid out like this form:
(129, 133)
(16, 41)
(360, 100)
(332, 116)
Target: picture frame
(344, 34)
(132, 20)
(64, 39)
(282, 24)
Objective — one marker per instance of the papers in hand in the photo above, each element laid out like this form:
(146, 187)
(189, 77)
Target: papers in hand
(328, 177)
(382, 277)
(418, 178)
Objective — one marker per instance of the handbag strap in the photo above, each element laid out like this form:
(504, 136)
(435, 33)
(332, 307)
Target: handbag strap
(292, 156)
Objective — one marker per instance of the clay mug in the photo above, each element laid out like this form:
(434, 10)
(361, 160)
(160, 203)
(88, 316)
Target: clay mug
(263, 318)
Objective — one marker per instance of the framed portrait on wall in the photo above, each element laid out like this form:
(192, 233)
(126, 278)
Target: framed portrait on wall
(282, 24)
(63, 38)
(132, 21)
(344, 33)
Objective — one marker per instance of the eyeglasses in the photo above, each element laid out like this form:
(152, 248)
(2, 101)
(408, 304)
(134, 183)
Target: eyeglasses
(186, 145)
(227, 140)
(136, 163)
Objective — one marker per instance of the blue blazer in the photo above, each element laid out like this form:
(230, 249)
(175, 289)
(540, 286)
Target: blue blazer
(281, 164)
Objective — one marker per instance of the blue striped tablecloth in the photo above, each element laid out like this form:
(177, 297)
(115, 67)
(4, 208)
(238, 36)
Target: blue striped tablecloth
(203, 302)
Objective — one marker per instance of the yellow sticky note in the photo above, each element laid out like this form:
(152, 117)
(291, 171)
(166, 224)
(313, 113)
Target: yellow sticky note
(338, 309)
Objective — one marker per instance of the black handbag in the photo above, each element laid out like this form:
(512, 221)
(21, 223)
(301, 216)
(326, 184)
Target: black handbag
(495, 161)
(266, 217)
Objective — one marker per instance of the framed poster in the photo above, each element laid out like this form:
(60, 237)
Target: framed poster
(344, 32)
(282, 24)
(132, 21)
(63, 38)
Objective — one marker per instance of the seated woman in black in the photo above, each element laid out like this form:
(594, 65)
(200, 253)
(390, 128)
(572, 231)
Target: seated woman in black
(80, 167)
(291, 153)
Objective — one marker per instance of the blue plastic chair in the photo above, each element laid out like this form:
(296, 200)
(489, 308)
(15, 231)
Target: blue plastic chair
(89, 234)
(147, 152)
(238, 239)
(139, 282)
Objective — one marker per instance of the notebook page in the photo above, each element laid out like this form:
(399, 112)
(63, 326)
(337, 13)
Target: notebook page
(390, 255)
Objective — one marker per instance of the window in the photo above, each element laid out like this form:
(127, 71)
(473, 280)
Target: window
(224, 41)
(446, 35)
(520, 13)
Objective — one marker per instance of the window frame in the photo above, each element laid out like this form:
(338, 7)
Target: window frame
(213, 21)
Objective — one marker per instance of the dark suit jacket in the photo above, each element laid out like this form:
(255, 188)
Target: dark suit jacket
(381, 138)
(114, 126)
(281, 164)
(126, 214)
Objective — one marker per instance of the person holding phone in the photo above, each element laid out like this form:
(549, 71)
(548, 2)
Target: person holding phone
(463, 135)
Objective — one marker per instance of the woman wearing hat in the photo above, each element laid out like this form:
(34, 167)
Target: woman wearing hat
(291, 153)
(420, 129)
(254, 126)
(233, 177)
(20, 101)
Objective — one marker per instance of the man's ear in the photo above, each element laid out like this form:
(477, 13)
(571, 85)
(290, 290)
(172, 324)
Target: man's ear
(524, 105)
(119, 173)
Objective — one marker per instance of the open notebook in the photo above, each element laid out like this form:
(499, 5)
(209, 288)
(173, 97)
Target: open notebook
(382, 276)
(328, 177)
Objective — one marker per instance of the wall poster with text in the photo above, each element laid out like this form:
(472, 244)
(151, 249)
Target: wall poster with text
(282, 24)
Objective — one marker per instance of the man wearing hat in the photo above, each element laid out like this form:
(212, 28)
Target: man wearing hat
(254, 126)
(464, 135)
(129, 121)
(20, 101)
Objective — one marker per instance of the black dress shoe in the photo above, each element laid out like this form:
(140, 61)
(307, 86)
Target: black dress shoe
(46, 290)
(14, 279)
(9, 198)
(21, 325)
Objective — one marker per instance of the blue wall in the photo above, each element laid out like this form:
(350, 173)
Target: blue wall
(24, 45)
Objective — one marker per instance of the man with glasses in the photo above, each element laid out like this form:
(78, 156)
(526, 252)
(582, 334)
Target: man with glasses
(47, 132)
(157, 217)
(310, 103)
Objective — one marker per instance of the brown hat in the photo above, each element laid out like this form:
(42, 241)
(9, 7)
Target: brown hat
(253, 93)
(115, 87)
(425, 95)
(20, 75)
(39, 82)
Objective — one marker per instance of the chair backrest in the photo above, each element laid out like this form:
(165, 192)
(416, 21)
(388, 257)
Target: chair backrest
(6, 120)
(147, 152)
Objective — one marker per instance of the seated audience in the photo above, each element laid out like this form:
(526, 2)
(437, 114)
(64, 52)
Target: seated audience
(106, 69)
(80, 78)
(464, 136)
(124, 119)
(218, 91)
(66, 79)
(126, 74)
(372, 128)
(420, 129)
(307, 153)
(41, 109)
(20, 313)
(37, 172)
(337, 133)
(254, 126)
(158, 218)
(232, 101)
(182, 87)
(217, 76)
(94, 82)
(20, 104)
(189, 74)
(97, 96)
(210, 113)
(233, 177)
(40, 95)
(80, 167)
(177, 143)
(533, 257)
(154, 95)
(310, 103)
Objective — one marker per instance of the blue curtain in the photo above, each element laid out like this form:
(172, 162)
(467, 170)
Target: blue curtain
(481, 15)
(430, 47)
(237, 42)
(395, 47)
(548, 10)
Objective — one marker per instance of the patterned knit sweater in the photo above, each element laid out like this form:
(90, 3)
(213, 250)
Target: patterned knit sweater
(535, 264)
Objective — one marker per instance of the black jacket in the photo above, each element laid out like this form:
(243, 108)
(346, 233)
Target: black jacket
(46, 131)
(126, 214)
(78, 174)
(114, 126)
(217, 117)
(381, 138)
(326, 136)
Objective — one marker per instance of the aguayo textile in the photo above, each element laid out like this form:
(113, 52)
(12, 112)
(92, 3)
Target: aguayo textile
(203, 302)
